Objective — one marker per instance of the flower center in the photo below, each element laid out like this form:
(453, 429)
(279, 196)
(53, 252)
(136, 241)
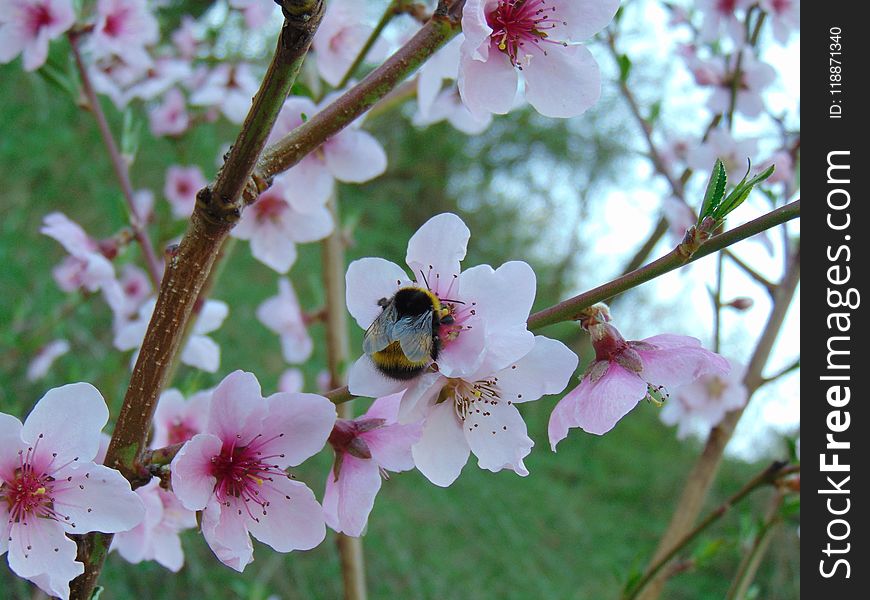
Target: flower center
(115, 22)
(38, 17)
(31, 492)
(270, 206)
(515, 23)
(715, 387)
(180, 432)
(242, 471)
(472, 397)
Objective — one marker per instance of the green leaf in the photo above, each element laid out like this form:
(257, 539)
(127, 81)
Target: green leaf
(740, 193)
(715, 190)
(624, 67)
(131, 134)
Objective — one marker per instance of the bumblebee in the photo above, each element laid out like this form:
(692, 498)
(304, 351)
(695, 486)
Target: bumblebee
(404, 337)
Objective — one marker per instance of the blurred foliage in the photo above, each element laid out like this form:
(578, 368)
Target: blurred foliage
(575, 528)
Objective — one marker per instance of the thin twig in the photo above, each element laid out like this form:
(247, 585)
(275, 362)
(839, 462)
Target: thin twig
(766, 477)
(119, 165)
(701, 477)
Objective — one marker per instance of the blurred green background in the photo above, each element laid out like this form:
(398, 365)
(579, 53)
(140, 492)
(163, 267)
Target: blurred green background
(577, 527)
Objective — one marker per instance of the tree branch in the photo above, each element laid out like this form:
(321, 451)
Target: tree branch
(569, 309)
(217, 210)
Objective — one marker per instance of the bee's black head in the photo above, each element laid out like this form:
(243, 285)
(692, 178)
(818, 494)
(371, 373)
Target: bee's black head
(413, 302)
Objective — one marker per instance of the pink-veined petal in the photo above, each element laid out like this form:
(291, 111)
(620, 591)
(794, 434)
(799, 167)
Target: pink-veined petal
(299, 424)
(236, 410)
(355, 491)
(273, 247)
(578, 20)
(192, 480)
(391, 445)
(601, 404)
(308, 185)
(50, 560)
(227, 535)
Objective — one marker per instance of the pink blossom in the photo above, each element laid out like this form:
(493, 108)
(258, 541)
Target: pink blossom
(624, 373)
(291, 380)
(125, 295)
(26, 27)
(124, 28)
(86, 266)
(170, 116)
(785, 17)
(478, 414)
(176, 420)
(365, 448)
(143, 205)
(45, 357)
(51, 487)
(699, 406)
(201, 351)
(340, 37)
(352, 156)
(283, 315)
(680, 218)
(229, 88)
(488, 307)
(256, 13)
(755, 76)
(448, 106)
(186, 38)
(279, 219)
(182, 184)
(537, 38)
(156, 537)
(734, 153)
(722, 18)
(113, 77)
(235, 472)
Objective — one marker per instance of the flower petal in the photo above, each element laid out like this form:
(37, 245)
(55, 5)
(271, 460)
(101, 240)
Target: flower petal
(443, 449)
(299, 424)
(274, 248)
(487, 87)
(192, 480)
(202, 352)
(50, 560)
(294, 519)
(236, 411)
(226, 534)
(307, 185)
(98, 498)
(355, 156)
(497, 436)
(391, 445)
(363, 379)
(355, 491)
(367, 281)
(563, 83)
(579, 20)
(601, 404)
(546, 369)
(436, 249)
(67, 421)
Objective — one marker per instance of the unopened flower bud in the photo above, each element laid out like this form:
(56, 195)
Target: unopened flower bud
(741, 303)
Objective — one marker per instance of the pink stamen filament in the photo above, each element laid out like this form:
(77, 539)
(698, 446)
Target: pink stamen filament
(517, 22)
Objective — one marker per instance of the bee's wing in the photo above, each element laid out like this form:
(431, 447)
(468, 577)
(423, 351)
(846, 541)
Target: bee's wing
(379, 334)
(414, 335)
